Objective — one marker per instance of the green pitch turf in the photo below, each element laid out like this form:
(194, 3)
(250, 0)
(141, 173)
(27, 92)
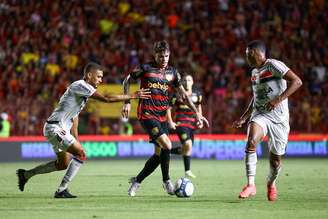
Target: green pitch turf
(102, 190)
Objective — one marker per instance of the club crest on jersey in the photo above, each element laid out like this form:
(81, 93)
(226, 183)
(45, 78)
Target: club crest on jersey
(168, 77)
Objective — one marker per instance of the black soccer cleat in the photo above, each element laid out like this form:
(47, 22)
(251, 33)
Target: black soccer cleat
(64, 194)
(21, 179)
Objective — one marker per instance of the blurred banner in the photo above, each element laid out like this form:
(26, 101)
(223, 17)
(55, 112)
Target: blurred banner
(112, 110)
(220, 147)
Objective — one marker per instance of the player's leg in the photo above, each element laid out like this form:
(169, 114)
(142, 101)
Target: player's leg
(165, 143)
(278, 137)
(150, 166)
(254, 135)
(59, 164)
(73, 167)
(153, 129)
(187, 137)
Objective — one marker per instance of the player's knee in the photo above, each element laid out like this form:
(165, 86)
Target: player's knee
(251, 145)
(62, 165)
(275, 163)
(81, 155)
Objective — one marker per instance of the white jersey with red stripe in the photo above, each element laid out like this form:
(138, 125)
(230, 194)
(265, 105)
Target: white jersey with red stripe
(267, 84)
(71, 103)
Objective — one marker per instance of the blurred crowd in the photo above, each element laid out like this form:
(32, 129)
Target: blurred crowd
(45, 44)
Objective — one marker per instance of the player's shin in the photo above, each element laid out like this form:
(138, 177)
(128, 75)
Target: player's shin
(72, 170)
(41, 169)
(165, 163)
(151, 164)
(273, 174)
(250, 161)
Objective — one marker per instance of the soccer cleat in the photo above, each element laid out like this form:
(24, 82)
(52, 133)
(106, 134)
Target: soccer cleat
(64, 194)
(272, 192)
(249, 190)
(134, 186)
(21, 179)
(168, 187)
(189, 174)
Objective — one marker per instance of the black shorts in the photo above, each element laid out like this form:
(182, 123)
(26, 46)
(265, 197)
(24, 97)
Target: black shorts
(185, 134)
(154, 129)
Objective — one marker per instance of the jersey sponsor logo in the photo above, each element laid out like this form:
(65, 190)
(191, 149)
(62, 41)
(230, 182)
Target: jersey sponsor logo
(163, 87)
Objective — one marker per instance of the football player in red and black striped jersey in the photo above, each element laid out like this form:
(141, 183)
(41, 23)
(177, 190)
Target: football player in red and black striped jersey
(185, 122)
(159, 77)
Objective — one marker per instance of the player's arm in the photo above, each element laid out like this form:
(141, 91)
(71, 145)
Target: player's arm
(239, 123)
(75, 127)
(172, 124)
(187, 100)
(143, 94)
(294, 83)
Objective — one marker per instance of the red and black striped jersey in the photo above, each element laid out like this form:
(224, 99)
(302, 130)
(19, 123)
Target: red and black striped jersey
(184, 116)
(159, 82)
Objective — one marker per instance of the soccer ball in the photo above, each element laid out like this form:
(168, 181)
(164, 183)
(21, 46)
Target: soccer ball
(184, 188)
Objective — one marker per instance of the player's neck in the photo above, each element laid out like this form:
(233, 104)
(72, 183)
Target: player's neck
(261, 63)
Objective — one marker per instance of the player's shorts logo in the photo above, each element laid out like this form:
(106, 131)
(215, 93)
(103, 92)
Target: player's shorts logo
(184, 136)
(155, 131)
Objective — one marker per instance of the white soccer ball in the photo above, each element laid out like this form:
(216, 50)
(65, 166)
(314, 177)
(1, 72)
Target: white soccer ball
(184, 188)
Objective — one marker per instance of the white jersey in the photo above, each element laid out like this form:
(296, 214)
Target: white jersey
(268, 83)
(71, 103)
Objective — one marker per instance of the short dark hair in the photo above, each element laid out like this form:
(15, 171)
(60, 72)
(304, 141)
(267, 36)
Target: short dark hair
(161, 46)
(90, 67)
(257, 44)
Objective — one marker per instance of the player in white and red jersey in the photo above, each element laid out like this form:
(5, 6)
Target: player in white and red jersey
(61, 132)
(268, 114)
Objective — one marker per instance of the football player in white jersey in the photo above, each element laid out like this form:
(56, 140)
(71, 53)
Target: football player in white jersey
(267, 113)
(61, 132)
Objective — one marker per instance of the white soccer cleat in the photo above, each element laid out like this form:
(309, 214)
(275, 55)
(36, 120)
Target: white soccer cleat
(168, 187)
(189, 174)
(134, 187)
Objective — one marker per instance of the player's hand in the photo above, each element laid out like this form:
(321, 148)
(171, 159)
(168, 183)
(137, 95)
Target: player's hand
(172, 125)
(238, 123)
(201, 120)
(126, 110)
(272, 104)
(142, 94)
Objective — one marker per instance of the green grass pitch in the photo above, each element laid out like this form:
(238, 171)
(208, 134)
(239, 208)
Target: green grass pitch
(102, 190)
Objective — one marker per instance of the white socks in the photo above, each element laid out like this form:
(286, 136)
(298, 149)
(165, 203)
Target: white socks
(273, 175)
(41, 169)
(72, 170)
(250, 161)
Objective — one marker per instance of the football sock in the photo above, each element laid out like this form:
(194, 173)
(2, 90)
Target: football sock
(186, 161)
(250, 161)
(165, 163)
(176, 150)
(41, 169)
(273, 174)
(151, 164)
(72, 170)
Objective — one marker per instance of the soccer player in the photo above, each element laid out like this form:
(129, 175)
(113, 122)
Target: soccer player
(159, 77)
(268, 114)
(185, 122)
(61, 128)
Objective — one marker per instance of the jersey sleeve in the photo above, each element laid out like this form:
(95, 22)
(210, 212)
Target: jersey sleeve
(82, 89)
(137, 72)
(278, 68)
(177, 79)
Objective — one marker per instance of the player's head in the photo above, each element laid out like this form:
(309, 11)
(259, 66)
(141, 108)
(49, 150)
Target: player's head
(161, 53)
(255, 53)
(187, 82)
(93, 74)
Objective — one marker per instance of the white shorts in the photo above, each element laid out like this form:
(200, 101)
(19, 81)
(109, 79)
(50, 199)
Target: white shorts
(277, 133)
(59, 138)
